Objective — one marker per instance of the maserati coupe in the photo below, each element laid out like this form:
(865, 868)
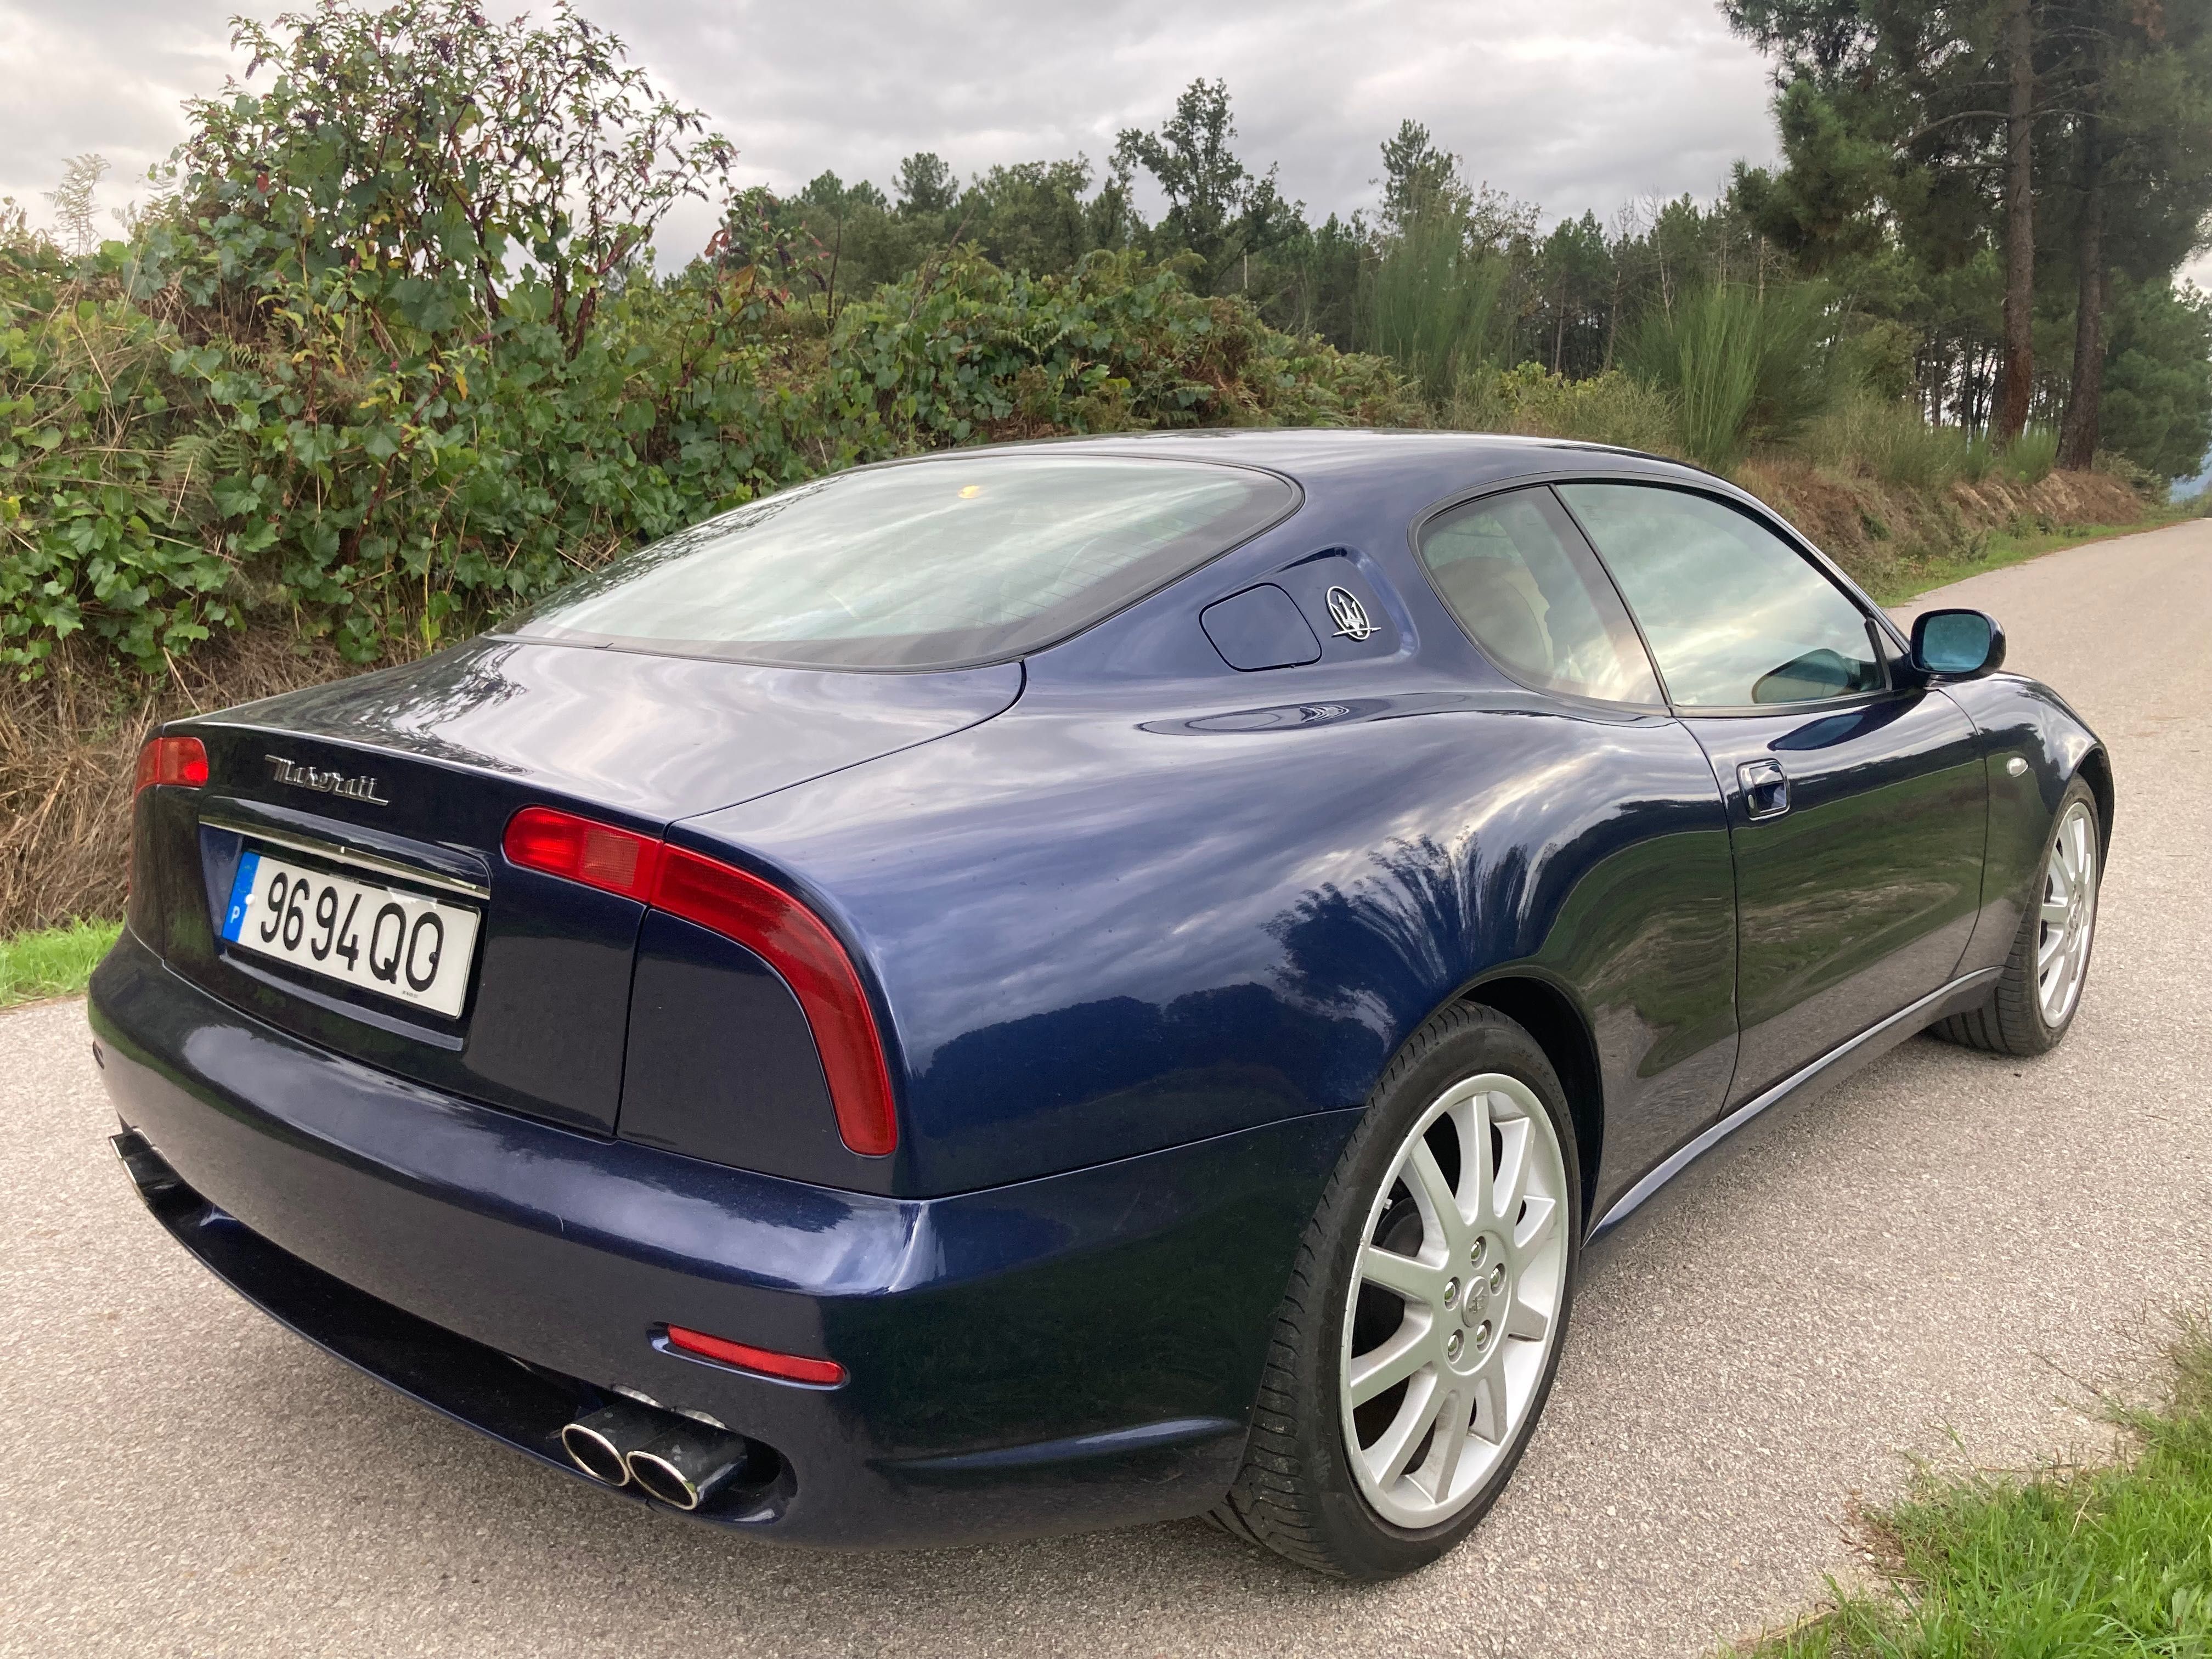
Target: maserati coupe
(1042, 987)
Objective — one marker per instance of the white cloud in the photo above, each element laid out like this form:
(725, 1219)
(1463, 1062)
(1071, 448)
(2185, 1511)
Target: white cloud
(1572, 103)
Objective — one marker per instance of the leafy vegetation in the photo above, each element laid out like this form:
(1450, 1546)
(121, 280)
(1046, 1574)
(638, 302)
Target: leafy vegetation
(2112, 1560)
(389, 354)
(52, 962)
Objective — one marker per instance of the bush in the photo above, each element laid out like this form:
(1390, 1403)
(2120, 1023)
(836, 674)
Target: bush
(1433, 305)
(2030, 456)
(1743, 366)
(1612, 408)
(1886, 438)
(391, 361)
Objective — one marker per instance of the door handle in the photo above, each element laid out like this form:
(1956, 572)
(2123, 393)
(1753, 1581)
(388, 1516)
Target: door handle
(1766, 788)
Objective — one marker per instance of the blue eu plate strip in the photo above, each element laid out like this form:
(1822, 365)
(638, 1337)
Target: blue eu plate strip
(233, 920)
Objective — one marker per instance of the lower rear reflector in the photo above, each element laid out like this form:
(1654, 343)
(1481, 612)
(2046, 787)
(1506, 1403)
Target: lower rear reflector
(789, 1367)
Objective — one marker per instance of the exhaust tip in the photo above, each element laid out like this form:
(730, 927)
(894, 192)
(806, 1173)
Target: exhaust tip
(685, 1467)
(595, 1455)
(663, 1480)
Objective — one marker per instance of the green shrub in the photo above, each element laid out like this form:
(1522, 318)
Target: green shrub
(1610, 408)
(2030, 456)
(1886, 438)
(1743, 366)
(369, 370)
(1433, 305)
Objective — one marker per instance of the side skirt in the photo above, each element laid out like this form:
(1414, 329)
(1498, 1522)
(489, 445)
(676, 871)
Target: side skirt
(1831, 1067)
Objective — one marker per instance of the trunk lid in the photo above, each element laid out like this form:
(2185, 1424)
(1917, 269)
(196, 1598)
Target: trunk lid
(406, 779)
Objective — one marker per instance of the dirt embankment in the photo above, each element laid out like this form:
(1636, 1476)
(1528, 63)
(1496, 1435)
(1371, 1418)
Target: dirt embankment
(1882, 533)
(69, 739)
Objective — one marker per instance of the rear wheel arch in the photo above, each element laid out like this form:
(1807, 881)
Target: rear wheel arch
(1549, 1015)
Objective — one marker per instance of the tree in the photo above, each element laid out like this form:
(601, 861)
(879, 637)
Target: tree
(925, 184)
(74, 208)
(2142, 73)
(452, 156)
(1420, 177)
(1953, 90)
(1217, 209)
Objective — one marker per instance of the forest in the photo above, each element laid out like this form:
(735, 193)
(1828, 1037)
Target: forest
(386, 349)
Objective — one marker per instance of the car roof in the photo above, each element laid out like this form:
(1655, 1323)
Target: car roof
(1445, 462)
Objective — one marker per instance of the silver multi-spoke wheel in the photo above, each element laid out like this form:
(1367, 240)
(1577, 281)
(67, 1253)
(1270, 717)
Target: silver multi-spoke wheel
(1455, 1300)
(2069, 913)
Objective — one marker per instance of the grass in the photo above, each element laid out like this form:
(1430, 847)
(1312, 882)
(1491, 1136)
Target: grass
(2000, 547)
(2107, 1559)
(53, 961)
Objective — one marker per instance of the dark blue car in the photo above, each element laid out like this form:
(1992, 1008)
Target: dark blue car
(1039, 988)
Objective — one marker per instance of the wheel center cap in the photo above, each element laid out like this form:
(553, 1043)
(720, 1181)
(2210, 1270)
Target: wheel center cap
(1476, 1308)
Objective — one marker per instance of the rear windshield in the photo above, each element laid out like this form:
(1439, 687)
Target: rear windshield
(942, 563)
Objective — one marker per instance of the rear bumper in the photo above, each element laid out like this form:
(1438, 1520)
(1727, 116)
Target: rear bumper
(1077, 1351)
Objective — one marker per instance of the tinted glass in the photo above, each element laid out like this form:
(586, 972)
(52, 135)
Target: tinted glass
(1514, 572)
(936, 564)
(1736, 615)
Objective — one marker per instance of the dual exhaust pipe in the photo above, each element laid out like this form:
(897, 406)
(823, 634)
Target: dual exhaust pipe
(677, 1460)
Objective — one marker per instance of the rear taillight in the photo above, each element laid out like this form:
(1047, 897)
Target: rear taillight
(597, 855)
(792, 1367)
(180, 761)
(764, 919)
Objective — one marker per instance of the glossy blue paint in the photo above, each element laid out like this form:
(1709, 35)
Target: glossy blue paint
(1141, 921)
(1022, 1359)
(1259, 627)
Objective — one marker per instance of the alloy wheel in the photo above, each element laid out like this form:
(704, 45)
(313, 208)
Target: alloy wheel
(2069, 914)
(1455, 1300)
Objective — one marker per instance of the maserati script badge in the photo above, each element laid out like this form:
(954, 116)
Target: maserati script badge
(1350, 616)
(324, 783)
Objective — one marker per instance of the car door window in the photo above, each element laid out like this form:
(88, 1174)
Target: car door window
(1734, 614)
(1515, 573)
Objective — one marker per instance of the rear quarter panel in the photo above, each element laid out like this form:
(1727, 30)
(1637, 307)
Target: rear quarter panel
(1103, 926)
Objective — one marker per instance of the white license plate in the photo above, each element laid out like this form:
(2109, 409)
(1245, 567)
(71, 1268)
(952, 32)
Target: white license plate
(375, 938)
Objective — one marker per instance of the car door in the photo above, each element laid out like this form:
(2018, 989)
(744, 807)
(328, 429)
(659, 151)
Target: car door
(1644, 928)
(1858, 807)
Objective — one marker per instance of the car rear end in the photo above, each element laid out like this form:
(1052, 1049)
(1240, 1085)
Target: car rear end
(440, 1032)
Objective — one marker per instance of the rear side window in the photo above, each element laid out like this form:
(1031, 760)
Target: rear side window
(1516, 574)
(943, 564)
(1736, 615)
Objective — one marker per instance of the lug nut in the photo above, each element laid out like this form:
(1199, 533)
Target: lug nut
(1451, 1292)
(1452, 1345)
(1481, 1249)
(1498, 1277)
(1482, 1334)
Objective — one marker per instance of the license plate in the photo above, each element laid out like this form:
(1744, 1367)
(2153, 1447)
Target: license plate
(375, 938)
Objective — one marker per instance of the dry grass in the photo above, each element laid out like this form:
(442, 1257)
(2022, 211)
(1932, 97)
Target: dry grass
(68, 744)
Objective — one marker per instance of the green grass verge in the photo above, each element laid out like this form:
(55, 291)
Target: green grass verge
(2002, 548)
(54, 961)
(2109, 1559)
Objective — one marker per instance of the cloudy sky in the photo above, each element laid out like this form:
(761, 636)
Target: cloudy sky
(1571, 103)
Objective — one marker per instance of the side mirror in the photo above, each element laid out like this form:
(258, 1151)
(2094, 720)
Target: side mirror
(1957, 645)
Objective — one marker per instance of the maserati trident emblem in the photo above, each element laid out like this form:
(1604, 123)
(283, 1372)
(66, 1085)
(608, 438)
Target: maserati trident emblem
(324, 783)
(1350, 616)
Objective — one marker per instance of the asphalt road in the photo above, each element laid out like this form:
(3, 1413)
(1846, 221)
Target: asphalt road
(1952, 1245)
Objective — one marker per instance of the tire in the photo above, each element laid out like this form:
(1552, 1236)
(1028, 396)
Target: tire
(2022, 1015)
(1466, 1319)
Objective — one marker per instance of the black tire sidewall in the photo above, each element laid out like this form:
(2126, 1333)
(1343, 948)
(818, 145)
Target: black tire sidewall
(1362, 1544)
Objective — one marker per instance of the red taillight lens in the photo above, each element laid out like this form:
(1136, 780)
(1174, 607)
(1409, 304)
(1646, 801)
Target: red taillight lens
(181, 761)
(792, 1367)
(765, 919)
(792, 940)
(597, 855)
